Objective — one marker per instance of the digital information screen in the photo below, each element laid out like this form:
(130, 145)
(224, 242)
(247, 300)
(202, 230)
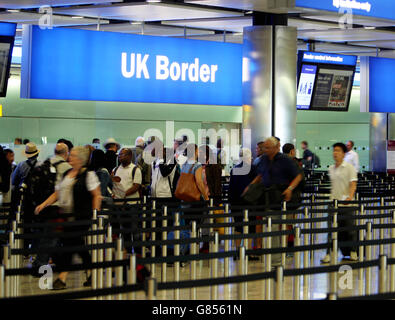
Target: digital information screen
(4, 58)
(325, 81)
(332, 89)
(306, 86)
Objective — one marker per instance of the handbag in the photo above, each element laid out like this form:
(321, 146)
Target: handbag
(254, 193)
(187, 189)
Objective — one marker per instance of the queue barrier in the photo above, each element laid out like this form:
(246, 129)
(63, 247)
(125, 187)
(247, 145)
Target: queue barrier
(278, 273)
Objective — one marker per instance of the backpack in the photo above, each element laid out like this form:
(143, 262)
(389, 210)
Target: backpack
(316, 161)
(173, 185)
(40, 182)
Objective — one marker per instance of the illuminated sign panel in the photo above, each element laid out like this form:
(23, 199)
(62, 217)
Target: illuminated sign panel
(371, 8)
(71, 64)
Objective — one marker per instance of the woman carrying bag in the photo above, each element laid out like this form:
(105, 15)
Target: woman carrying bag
(190, 187)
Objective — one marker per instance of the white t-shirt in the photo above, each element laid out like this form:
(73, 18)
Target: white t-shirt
(340, 180)
(125, 173)
(65, 190)
(352, 158)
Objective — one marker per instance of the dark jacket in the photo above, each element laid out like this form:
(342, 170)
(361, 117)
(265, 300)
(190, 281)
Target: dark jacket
(82, 196)
(110, 159)
(238, 183)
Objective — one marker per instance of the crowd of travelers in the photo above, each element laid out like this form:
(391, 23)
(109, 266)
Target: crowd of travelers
(78, 179)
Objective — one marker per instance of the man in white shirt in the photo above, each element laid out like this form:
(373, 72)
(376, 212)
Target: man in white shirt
(351, 156)
(344, 180)
(126, 177)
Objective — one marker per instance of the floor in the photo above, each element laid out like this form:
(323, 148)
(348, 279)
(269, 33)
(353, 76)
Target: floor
(311, 287)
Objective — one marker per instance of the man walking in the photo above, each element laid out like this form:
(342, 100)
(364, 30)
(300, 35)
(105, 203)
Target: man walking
(351, 156)
(280, 176)
(343, 177)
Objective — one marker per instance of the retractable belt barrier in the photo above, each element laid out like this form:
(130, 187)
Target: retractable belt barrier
(152, 212)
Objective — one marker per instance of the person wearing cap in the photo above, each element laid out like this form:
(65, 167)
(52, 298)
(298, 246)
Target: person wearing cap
(18, 178)
(111, 157)
(22, 170)
(138, 149)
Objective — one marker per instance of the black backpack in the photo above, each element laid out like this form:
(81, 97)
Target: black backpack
(316, 161)
(40, 182)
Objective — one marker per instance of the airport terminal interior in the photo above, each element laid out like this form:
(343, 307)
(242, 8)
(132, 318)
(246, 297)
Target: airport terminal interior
(285, 105)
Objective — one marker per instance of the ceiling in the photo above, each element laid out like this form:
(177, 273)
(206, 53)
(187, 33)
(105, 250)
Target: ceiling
(214, 20)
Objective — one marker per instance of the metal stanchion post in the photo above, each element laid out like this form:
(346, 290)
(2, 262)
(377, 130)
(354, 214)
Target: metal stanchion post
(306, 237)
(214, 268)
(2, 282)
(245, 232)
(194, 251)
(332, 296)
(143, 225)
(297, 264)
(109, 259)
(211, 214)
(333, 275)
(164, 247)
(227, 242)
(392, 267)
(177, 254)
(119, 273)
(12, 263)
(269, 259)
(6, 263)
(100, 257)
(383, 274)
(151, 286)
(241, 291)
(132, 279)
(368, 250)
(279, 282)
(153, 238)
(94, 259)
(283, 237)
(381, 250)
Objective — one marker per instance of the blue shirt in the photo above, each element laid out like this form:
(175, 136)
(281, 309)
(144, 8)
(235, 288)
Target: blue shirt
(280, 171)
(21, 172)
(187, 166)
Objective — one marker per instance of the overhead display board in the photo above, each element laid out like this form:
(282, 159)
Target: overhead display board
(325, 81)
(71, 64)
(370, 8)
(7, 37)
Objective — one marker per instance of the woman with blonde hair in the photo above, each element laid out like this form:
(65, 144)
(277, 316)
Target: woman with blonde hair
(77, 193)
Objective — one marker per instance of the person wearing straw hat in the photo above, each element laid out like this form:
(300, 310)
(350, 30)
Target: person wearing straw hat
(22, 170)
(19, 179)
(111, 157)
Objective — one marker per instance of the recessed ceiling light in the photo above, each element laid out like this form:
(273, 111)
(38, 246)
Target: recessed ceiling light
(13, 10)
(370, 28)
(136, 22)
(77, 17)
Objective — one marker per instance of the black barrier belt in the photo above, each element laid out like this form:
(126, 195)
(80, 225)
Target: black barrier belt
(157, 260)
(207, 226)
(365, 216)
(365, 242)
(328, 269)
(379, 208)
(204, 283)
(82, 294)
(330, 230)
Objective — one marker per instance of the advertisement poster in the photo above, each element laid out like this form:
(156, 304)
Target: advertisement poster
(339, 91)
(323, 90)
